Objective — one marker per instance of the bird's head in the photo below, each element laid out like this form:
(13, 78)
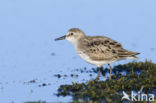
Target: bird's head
(73, 35)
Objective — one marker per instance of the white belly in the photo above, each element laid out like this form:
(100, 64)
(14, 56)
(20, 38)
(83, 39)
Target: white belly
(89, 60)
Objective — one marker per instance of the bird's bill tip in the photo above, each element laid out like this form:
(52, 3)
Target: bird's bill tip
(61, 38)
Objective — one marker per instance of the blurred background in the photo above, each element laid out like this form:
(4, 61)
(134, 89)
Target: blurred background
(28, 50)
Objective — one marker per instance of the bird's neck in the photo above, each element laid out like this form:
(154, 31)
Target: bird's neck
(75, 42)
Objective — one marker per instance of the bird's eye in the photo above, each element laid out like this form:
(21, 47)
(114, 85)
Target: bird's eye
(71, 33)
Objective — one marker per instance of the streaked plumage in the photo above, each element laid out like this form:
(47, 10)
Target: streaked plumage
(103, 50)
(97, 50)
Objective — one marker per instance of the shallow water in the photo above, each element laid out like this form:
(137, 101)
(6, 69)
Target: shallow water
(29, 52)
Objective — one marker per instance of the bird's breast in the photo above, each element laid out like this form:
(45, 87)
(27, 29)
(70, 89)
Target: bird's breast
(85, 57)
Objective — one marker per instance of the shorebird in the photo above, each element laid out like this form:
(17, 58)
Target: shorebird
(97, 50)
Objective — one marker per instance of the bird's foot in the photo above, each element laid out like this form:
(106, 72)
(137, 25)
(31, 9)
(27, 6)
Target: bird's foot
(97, 78)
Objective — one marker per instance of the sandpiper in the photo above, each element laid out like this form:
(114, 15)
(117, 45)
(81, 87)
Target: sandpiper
(97, 50)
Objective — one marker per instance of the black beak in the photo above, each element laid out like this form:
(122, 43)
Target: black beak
(61, 38)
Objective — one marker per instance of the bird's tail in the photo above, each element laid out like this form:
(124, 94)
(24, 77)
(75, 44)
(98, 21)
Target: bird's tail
(127, 54)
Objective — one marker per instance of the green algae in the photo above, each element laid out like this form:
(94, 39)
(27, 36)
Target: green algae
(136, 75)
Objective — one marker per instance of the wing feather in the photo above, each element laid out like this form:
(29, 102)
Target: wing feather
(100, 48)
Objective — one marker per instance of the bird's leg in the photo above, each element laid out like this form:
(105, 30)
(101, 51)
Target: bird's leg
(99, 70)
(110, 73)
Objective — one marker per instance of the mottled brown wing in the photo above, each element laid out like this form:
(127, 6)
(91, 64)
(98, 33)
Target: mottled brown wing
(101, 48)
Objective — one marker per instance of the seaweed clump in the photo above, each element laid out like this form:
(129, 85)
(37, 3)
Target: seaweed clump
(135, 76)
